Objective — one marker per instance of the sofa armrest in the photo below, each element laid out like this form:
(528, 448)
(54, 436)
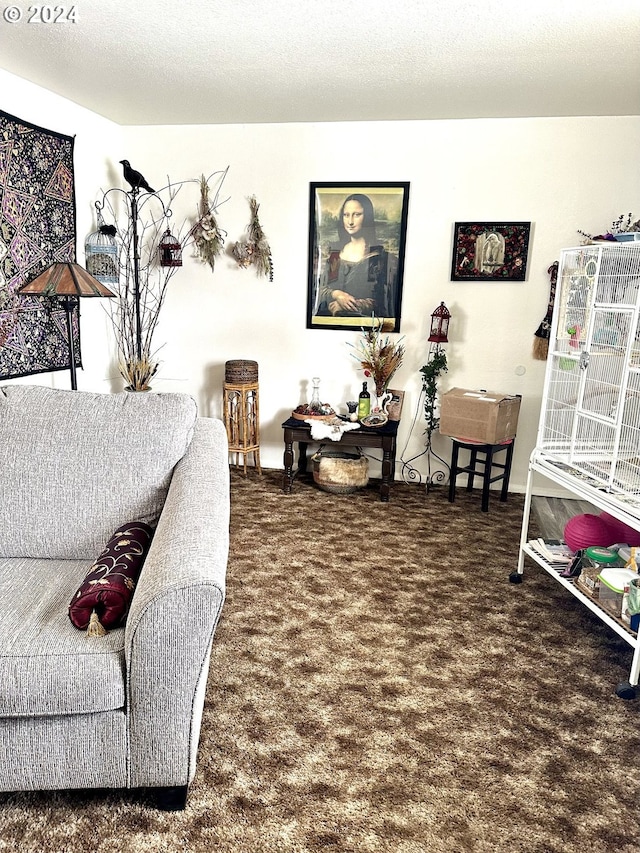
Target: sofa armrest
(174, 613)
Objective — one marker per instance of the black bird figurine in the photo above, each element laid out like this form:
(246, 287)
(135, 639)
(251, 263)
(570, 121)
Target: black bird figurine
(136, 179)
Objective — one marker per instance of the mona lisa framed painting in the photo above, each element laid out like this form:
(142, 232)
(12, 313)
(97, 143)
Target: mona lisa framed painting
(357, 234)
(490, 251)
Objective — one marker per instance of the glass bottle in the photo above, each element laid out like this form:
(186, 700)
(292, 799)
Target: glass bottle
(316, 404)
(364, 402)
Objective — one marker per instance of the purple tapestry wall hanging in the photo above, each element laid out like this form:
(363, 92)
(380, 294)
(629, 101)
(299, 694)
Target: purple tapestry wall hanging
(37, 227)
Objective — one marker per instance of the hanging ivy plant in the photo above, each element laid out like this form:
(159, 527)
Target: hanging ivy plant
(431, 372)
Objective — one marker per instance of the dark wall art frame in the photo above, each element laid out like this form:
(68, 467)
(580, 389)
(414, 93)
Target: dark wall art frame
(490, 251)
(348, 287)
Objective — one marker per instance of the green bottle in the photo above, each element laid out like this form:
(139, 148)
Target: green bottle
(364, 402)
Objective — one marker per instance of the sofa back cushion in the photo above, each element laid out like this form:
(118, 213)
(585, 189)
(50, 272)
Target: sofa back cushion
(75, 465)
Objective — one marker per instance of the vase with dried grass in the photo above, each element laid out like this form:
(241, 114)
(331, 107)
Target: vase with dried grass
(138, 374)
(379, 356)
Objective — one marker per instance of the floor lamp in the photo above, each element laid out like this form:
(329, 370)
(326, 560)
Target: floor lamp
(66, 281)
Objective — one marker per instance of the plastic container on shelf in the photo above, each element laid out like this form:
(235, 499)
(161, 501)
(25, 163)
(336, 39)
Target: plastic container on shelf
(633, 604)
(612, 589)
(600, 557)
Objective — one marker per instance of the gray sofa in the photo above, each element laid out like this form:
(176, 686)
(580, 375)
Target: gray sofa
(122, 710)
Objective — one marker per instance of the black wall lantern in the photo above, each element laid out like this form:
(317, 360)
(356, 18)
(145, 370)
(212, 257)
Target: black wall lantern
(440, 325)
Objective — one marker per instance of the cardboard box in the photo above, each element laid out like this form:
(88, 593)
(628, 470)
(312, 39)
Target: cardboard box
(484, 416)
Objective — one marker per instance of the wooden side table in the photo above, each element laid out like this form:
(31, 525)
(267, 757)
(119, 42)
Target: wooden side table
(383, 438)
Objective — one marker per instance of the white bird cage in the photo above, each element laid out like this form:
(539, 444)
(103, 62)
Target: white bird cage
(101, 253)
(590, 417)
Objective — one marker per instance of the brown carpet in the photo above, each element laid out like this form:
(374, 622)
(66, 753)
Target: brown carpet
(377, 684)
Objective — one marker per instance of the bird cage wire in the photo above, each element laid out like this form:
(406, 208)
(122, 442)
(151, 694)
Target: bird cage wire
(592, 390)
(101, 253)
(170, 250)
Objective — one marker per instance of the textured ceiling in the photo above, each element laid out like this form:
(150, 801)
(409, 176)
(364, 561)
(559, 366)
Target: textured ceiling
(239, 61)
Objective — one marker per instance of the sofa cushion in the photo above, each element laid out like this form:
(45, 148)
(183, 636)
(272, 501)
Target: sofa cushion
(47, 667)
(74, 464)
(109, 584)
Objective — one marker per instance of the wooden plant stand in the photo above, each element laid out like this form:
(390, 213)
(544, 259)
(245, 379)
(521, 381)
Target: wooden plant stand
(241, 410)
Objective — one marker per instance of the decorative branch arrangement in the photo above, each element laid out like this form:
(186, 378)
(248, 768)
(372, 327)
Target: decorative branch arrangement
(142, 283)
(254, 249)
(145, 262)
(624, 224)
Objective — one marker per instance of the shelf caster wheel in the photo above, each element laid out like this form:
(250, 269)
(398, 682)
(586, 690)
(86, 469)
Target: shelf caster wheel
(625, 690)
(515, 577)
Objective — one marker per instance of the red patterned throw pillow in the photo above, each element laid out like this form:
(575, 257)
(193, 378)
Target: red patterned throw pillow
(102, 601)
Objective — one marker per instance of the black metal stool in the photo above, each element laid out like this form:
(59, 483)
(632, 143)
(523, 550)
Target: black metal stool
(486, 462)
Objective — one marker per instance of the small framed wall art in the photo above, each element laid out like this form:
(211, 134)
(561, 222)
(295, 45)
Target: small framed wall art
(357, 237)
(490, 251)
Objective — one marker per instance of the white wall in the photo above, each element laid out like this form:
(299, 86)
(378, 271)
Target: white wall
(560, 174)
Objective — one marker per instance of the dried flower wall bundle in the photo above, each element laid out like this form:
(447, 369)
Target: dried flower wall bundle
(207, 235)
(254, 249)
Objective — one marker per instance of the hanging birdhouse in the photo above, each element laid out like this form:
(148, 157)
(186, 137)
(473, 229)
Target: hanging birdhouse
(101, 253)
(170, 251)
(440, 325)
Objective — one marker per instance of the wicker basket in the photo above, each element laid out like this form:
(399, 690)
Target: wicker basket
(340, 473)
(241, 372)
